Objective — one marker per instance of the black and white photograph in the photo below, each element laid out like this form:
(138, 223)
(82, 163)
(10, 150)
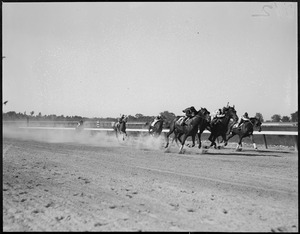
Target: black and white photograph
(150, 116)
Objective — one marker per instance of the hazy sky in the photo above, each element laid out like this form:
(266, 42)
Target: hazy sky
(102, 59)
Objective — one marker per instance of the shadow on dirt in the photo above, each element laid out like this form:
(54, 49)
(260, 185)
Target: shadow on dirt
(242, 154)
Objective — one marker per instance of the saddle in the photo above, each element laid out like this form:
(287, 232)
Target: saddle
(240, 127)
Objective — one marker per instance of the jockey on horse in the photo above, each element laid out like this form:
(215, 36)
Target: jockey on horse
(242, 119)
(157, 118)
(120, 126)
(121, 119)
(217, 116)
(190, 112)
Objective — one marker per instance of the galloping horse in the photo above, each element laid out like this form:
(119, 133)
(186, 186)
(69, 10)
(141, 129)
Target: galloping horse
(120, 128)
(190, 129)
(156, 129)
(204, 125)
(246, 130)
(221, 126)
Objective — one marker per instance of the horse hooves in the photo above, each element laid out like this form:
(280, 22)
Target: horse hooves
(219, 147)
(239, 149)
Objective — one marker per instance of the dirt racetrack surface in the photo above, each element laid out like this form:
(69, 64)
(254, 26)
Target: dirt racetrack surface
(95, 183)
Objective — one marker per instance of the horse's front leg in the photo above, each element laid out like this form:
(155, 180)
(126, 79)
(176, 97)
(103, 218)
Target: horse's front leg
(178, 137)
(239, 146)
(167, 137)
(213, 142)
(199, 138)
(254, 145)
(224, 139)
(193, 140)
(167, 140)
(182, 143)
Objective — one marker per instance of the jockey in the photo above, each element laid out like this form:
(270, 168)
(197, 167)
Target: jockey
(190, 112)
(157, 118)
(80, 124)
(242, 119)
(121, 118)
(218, 115)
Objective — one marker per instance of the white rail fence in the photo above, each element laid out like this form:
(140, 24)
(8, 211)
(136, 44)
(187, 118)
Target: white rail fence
(264, 133)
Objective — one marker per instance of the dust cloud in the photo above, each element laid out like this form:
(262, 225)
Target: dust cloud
(85, 137)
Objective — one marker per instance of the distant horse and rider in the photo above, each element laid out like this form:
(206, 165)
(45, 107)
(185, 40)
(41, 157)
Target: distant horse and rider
(188, 125)
(120, 127)
(156, 126)
(79, 126)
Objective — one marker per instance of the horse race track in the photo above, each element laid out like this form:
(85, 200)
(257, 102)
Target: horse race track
(58, 183)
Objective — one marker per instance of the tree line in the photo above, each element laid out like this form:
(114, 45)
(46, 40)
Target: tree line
(168, 116)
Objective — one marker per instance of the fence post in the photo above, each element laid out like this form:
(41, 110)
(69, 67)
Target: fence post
(265, 140)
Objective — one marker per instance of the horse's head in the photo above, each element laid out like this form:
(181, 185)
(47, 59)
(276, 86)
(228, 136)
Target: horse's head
(257, 123)
(231, 112)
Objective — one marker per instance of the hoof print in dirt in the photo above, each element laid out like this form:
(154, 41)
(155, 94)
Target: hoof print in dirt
(279, 229)
(225, 211)
(49, 205)
(191, 210)
(59, 218)
(99, 224)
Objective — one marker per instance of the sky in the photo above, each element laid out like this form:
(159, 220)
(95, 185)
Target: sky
(103, 59)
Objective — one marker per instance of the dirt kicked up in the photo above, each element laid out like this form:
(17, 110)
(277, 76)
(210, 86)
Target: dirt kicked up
(64, 183)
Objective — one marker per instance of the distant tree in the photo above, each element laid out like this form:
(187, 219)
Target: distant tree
(138, 116)
(31, 113)
(168, 117)
(11, 115)
(260, 116)
(285, 119)
(276, 118)
(294, 117)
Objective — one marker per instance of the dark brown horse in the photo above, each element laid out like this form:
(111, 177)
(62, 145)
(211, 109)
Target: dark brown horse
(156, 128)
(120, 128)
(246, 130)
(204, 125)
(220, 127)
(190, 129)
